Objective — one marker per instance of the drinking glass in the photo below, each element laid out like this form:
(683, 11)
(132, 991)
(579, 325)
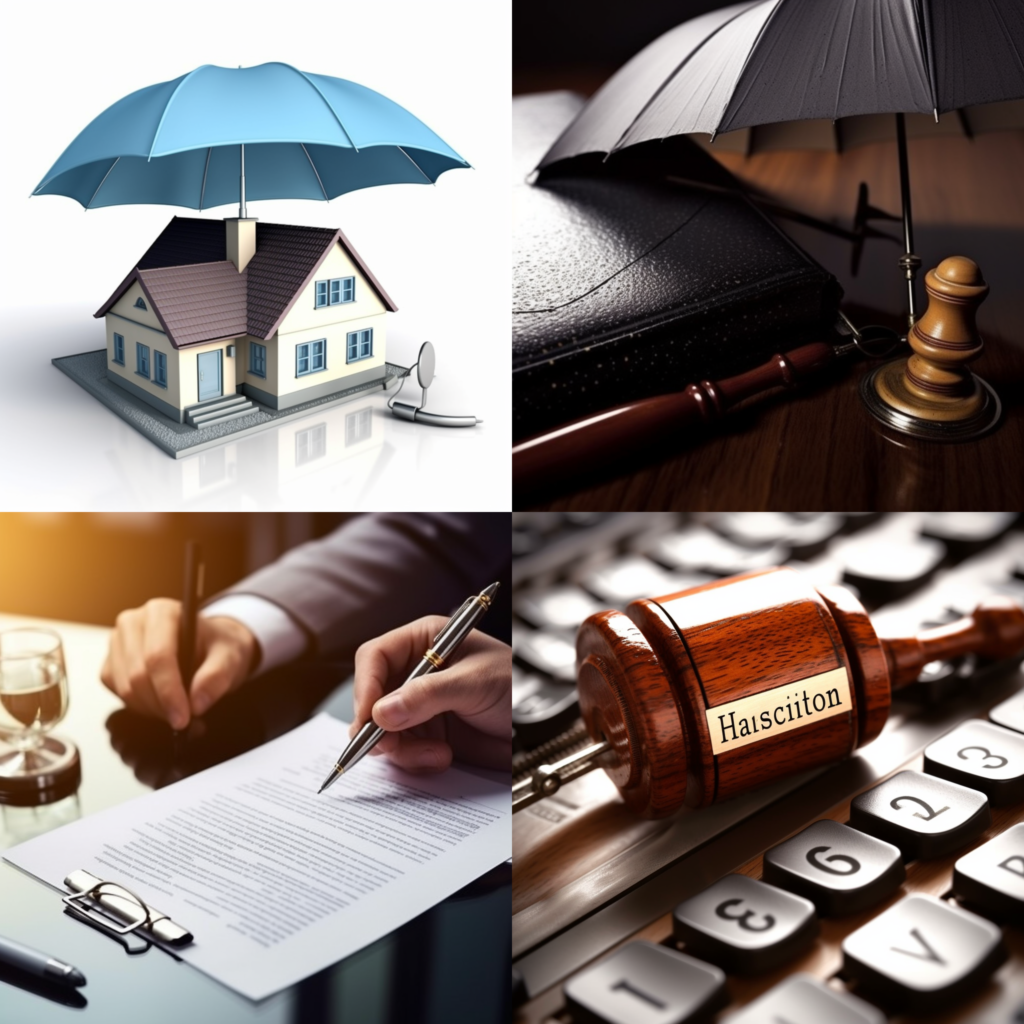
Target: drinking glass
(33, 699)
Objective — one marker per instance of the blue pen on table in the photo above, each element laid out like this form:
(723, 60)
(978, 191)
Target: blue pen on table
(39, 964)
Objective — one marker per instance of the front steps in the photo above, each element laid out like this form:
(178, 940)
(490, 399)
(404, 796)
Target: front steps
(218, 410)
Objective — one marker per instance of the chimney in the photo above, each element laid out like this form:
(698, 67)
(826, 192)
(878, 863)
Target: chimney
(241, 240)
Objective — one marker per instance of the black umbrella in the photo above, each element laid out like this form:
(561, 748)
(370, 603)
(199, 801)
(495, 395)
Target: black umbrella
(771, 61)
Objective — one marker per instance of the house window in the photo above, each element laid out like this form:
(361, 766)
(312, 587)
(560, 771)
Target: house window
(140, 303)
(358, 426)
(142, 359)
(360, 345)
(335, 291)
(310, 444)
(119, 349)
(310, 357)
(160, 368)
(257, 359)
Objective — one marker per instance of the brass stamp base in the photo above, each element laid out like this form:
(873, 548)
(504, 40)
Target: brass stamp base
(885, 394)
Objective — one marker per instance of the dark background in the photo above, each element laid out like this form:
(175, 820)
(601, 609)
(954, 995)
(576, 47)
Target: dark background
(589, 39)
(87, 567)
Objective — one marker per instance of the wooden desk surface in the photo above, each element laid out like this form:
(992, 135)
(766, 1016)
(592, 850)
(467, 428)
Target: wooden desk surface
(821, 449)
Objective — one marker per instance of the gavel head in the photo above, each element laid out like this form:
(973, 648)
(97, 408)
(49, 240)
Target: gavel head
(709, 692)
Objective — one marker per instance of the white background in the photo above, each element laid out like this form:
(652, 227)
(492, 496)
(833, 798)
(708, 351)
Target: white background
(441, 251)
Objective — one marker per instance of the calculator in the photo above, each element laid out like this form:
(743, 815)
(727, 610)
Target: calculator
(886, 887)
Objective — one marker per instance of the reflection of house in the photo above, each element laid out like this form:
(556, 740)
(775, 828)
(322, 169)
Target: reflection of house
(274, 313)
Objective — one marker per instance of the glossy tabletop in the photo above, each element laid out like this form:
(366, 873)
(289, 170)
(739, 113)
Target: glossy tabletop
(449, 964)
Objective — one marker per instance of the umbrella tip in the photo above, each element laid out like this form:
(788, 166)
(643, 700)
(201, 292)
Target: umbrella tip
(935, 111)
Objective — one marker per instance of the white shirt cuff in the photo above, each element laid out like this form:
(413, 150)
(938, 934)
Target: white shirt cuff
(280, 638)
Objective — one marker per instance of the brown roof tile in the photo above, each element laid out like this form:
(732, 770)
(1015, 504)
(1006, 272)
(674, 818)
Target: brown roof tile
(201, 302)
(199, 296)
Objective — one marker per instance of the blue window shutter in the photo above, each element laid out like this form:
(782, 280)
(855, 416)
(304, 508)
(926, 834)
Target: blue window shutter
(160, 368)
(119, 349)
(321, 293)
(348, 289)
(301, 359)
(142, 359)
(258, 359)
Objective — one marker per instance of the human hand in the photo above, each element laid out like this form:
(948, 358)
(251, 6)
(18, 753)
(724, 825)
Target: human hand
(142, 663)
(463, 710)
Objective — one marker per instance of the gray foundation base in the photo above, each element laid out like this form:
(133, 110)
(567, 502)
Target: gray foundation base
(89, 370)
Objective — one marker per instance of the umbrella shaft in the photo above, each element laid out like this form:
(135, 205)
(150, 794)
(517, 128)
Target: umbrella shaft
(908, 261)
(241, 187)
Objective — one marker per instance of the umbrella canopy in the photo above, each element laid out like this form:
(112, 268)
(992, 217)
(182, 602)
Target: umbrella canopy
(768, 61)
(285, 133)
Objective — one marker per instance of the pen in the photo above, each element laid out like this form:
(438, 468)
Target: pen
(455, 630)
(192, 591)
(39, 964)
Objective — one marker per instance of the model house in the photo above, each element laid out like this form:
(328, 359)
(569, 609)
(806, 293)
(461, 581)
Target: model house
(219, 315)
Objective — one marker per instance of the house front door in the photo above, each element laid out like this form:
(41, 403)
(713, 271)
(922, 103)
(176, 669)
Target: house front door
(209, 375)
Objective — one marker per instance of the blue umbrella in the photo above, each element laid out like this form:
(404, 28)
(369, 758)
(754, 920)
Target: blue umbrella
(272, 131)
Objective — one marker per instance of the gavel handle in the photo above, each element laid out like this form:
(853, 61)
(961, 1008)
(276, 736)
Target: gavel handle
(995, 629)
(589, 443)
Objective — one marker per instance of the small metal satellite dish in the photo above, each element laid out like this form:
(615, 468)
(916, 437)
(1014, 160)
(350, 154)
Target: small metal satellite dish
(425, 365)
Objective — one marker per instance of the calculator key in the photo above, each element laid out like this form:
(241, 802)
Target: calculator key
(1010, 713)
(991, 878)
(966, 533)
(634, 576)
(983, 756)
(802, 999)
(744, 925)
(840, 870)
(922, 953)
(563, 607)
(883, 570)
(548, 653)
(805, 534)
(543, 712)
(698, 549)
(922, 815)
(642, 983)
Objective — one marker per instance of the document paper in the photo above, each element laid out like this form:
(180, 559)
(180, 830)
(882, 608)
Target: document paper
(275, 882)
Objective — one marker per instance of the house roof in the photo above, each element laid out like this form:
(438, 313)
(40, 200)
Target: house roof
(199, 296)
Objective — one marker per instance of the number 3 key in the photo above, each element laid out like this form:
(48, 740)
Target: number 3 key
(983, 756)
(744, 925)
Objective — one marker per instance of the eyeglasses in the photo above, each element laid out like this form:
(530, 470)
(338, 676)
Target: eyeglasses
(117, 911)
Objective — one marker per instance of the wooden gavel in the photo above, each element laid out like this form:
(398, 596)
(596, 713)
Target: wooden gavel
(704, 694)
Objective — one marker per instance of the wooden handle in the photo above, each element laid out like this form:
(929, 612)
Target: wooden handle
(592, 442)
(995, 630)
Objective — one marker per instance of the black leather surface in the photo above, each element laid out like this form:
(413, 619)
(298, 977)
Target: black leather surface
(625, 285)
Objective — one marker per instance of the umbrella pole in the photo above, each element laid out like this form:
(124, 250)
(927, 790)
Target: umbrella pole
(908, 261)
(242, 186)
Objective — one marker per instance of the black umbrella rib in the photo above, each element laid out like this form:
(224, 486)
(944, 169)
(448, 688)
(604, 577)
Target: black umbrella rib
(315, 171)
(924, 30)
(664, 85)
(732, 104)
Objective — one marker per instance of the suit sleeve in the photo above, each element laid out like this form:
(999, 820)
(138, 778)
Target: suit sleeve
(383, 570)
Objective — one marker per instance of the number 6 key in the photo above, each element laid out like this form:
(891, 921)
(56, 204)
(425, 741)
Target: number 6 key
(744, 925)
(983, 756)
(922, 815)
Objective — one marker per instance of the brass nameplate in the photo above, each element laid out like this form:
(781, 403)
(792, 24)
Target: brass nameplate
(776, 711)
